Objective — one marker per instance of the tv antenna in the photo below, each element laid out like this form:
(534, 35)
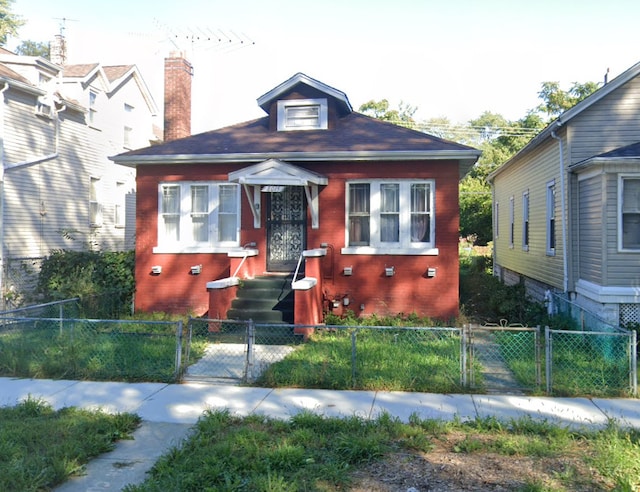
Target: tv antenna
(198, 39)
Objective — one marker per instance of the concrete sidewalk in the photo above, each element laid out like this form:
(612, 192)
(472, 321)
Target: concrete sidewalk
(169, 410)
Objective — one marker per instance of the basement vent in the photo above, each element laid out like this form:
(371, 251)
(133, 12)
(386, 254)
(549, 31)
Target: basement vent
(629, 313)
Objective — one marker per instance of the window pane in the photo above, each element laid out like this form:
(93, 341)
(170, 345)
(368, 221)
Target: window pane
(420, 198)
(170, 199)
(303, 116)
(631, 195)
(228, 213)
(420, 213)
(389, 213)
(631, 213)
(359, 207)
(200, 199)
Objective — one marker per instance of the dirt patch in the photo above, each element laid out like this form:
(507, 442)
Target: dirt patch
(444, 470)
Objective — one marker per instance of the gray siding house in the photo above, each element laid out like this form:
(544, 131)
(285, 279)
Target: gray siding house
(567, 206)
(59, 190)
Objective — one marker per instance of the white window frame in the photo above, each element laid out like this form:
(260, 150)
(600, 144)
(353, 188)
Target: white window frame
(93, 111)
(512, 224)
(623, 209)
(127, 141)
(289, 108)
(404, 246)
(119, 207)
(551, 222)
(185, 242)
(525, 221)
(96, 207)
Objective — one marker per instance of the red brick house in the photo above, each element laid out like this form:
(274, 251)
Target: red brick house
(363, 211)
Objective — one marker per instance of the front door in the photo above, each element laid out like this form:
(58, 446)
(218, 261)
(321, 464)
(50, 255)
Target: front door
(286, 228)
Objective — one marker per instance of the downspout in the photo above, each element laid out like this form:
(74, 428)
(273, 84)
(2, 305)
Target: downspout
(4, 88)
(565, 260)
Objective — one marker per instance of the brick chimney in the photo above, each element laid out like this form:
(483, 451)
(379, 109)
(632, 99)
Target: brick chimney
(177, 97)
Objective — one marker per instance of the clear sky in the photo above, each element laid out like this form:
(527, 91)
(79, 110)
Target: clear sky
(453, 58)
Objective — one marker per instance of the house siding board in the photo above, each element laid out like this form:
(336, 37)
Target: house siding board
(621, 268)
(532, 176)
(608, 124)
(590, 232)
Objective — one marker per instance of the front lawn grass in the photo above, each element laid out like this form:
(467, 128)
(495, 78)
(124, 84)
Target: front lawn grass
(383, 359)
(41, 448)
(315, 453)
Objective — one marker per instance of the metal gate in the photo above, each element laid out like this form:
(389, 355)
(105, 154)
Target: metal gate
(504, 358)
(286, 228)
(234, 350)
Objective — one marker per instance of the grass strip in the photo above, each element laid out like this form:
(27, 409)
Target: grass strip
(41, 448)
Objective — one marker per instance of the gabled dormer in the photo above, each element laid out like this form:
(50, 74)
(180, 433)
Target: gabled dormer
(302, 103)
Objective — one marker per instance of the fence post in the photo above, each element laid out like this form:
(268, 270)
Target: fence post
(634, 363)
(538, 355)
(353, 358)
(61, 317)
(178, 361)
(463, 356)
(548, 355)
(251, 338)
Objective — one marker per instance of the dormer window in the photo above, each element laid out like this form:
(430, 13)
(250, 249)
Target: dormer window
(302, 114)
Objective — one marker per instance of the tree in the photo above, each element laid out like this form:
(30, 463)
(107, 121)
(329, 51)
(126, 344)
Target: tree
(33, 48)
(402, 116)
(556, 101)
(9, 22)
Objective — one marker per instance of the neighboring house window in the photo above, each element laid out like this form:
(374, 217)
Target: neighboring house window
(95, 206)
(302, 114)
(196, 215)
(551, 218)
(630, 212)
(512, 211)
(93, 98)
(119, 206)
(128, 128)
(525, 221)
(390, 216)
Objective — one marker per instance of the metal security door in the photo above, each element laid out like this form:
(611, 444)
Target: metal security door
(286, 228)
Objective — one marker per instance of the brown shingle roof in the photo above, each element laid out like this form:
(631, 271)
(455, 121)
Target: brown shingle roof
(7, 73)
(353, 133)
(79, 70)
(116, 71)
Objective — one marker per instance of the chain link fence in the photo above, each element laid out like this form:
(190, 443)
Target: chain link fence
(46, 341)
(84, 349)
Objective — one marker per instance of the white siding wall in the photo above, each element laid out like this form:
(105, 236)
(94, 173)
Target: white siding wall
(45, 198)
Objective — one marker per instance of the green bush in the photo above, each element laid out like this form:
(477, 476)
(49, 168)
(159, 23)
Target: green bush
(104, 281)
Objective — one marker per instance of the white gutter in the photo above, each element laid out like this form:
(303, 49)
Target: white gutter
(565, 261)
(364, 155)
(4, 88)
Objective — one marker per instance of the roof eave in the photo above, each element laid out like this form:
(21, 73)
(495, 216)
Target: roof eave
(594, 161)
(569, 114)
(466, 157)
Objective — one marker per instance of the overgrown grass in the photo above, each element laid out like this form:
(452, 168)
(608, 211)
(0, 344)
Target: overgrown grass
(400, 359)
(86, 350)
(315, 453)
(40, 448)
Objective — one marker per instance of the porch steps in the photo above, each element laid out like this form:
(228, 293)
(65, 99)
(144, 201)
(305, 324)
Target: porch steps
(265, 299)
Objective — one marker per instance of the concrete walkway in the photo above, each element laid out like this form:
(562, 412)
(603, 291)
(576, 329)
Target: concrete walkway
(169, 410)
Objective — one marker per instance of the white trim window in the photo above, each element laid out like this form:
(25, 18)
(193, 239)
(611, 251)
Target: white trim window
(302, 114)
(119, 208)
(512, 220)
(551, 218)
(390, 217)
(95, 203)
(198, 216)
(525, 221)
(629, 213)
(93, 111)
